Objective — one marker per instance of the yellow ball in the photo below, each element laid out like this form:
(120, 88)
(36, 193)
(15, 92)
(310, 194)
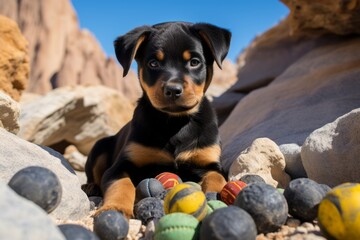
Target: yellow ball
(339, 212)
(186, 199)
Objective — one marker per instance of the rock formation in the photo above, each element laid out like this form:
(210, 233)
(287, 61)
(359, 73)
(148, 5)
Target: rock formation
(336, 16)
(319, 87)
(292, 81)
(14, 59)
(61, 53)
(74, 115)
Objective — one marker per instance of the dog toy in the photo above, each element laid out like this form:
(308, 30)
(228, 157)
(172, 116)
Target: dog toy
(168, 179)
(303, 196)
(39, 185)
(186, 199)
(213, 205)
(149, 187)
(177, 226)
(75, 231)
(228, 223)
(109, 225)
(265, 204)
(251, 178)
(148, 209)
(231, 190)
(339, 212)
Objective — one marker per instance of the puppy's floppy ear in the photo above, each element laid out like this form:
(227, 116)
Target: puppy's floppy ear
(127, 45)
(217, 39)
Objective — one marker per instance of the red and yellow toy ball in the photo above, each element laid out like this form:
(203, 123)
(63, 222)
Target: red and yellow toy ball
(186, 199)
(168, 179)
(231, 190)
(339, 212)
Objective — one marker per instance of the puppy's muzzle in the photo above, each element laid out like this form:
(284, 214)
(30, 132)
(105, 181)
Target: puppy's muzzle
(173, 90)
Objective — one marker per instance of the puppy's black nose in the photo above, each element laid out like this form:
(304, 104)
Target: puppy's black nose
(173, 90)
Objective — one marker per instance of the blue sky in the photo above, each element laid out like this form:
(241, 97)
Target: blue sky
(245, 19)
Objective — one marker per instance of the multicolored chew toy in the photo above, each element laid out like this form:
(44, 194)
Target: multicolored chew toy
(231, 190)
(168, 179)
(177, 226)
(339, 212)
(186, 199)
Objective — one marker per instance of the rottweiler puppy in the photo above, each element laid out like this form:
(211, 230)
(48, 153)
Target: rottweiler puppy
(174, 128)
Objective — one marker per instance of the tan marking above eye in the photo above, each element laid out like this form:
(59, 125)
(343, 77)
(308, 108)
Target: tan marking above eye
(142, 155)
(201, 156)
(186, 55)
(160, 55)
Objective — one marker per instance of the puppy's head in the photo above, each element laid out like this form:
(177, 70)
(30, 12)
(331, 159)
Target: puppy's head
(175, 62)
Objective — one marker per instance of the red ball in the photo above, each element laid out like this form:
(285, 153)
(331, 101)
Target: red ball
(168, 179)
(231, 190)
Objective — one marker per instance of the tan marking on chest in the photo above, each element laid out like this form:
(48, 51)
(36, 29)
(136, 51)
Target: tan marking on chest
(142, 155)
(201, 156)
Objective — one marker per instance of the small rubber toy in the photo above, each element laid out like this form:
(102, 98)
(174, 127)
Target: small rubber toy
(148, 209)
(111, 225)
(339, 212)
(74, 231)
(228, 223)
(39, 185)
(303, 196)
(231, 190)
(213, 205)
(186, 199)
(149, 187)
(265, 204)
(177, 226)
(251, 178)
(168, 179)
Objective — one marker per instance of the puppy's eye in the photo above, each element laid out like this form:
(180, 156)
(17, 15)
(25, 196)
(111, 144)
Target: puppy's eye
(194, 62)
(153, 64)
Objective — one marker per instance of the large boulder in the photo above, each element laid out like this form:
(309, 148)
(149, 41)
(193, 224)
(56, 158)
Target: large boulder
(22, 219)
(14, 59)
(9, 113)
(57, 47)
(336, 16)
(16, 154)
(74, 115)
(331, 154)
(316, 89)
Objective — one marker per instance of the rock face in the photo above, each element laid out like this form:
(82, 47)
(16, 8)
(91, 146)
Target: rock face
(17, 154)
(335, 16)
(9, 113)
(22, 219)
(331, 153)
(74, 115)
(267, 57)
(61, 54)
(14, 59)
(316, 89)
(262, 158)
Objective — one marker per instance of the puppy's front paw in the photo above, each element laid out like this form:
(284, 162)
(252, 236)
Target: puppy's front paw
(213, 182)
